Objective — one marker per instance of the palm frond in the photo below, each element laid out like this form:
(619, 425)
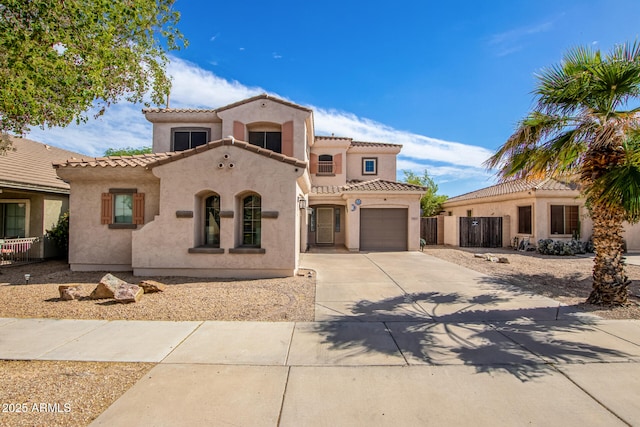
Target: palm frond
(619, 185)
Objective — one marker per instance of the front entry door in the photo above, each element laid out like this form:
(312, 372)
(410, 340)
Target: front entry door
(324, 226)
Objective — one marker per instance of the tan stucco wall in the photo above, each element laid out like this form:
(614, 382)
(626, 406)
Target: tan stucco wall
(162, 245)
(92, 245)
(508, 207)
(269, 111)
(386, 166)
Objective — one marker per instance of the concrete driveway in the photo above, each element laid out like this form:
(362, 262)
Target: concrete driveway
(399, 339)
(411, 286)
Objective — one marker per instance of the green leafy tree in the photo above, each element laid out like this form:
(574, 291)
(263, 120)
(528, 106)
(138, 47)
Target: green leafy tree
(127, 151)
(58, 59)
(584, 126)
(430, 203)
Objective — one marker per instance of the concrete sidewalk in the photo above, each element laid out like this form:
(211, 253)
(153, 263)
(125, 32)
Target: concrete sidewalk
(399, 339)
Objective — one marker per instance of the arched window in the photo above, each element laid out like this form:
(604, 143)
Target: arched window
(251, 220)
(212, 221)
(325, 164)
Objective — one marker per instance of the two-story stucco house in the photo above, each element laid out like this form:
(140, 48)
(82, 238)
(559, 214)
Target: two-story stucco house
(237, 191)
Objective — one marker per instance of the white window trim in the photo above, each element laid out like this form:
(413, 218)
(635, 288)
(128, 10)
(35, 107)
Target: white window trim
(375, 165)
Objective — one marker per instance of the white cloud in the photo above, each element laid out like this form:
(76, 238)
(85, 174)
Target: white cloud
(414, 145)
(124, 125)
(514, 40)
(197, 87)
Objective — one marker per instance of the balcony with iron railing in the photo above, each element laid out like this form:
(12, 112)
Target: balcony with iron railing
(326, 167)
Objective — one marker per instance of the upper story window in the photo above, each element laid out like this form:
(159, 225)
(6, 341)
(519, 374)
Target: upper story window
(325, 165)
(370, 166)
(269, 140)
(186, 138)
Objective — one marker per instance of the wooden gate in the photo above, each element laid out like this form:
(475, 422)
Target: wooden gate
(483, 232)
(429, 230)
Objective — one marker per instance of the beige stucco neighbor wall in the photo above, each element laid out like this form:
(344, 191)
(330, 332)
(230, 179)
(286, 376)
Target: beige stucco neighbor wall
(352, 216)
(508, 207)
(43, 212)
(94, 246)
(162, 246)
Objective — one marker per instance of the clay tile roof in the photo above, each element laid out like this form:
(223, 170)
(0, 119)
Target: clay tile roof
(373, 144)
(516, 186)
(326, 189)
(373, 185)
(331, 137)
(142, 160)
(152, 160)
(264, 96)
(30, 166)
(178, 110)
(381, 185)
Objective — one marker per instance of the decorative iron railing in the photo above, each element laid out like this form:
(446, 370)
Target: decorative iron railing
(24, 249)
(325, 167)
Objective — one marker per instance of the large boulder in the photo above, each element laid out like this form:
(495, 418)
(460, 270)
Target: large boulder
(151, 286)
(69, 292)
(127, 293)
(107, 287)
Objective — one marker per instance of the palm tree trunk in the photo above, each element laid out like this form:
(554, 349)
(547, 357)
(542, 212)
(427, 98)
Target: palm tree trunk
(610, 283)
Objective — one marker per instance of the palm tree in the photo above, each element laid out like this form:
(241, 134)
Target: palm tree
(586, 126)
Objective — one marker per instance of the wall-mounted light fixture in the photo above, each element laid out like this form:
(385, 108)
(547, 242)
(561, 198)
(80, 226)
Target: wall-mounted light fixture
(302, 203)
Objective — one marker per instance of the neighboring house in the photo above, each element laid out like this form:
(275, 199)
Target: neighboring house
(237, 191)
(32, 197)
(534, 209)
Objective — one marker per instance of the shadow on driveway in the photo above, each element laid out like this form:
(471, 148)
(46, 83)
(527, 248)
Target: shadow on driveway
(449, 328)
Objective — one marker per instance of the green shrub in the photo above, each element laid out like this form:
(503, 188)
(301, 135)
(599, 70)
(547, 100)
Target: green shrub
(559, 247)
(59, 234)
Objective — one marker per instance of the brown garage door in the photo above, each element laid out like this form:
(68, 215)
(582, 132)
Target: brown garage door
(383, 229)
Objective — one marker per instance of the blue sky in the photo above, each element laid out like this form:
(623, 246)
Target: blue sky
(448, 80)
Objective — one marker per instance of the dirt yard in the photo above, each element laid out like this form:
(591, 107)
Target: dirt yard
(287, 299)
(563, 278)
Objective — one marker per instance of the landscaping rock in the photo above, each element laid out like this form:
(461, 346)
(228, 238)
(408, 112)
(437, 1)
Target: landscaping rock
(127, 293)
(68, 292)
(151, 286)
(107, 287)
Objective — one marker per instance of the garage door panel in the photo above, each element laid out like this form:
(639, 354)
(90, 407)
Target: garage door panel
(383, 229)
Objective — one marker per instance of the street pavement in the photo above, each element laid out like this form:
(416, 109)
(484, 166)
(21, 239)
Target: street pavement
(399, 339)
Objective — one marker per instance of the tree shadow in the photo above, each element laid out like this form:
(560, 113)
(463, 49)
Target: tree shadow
(452, 329)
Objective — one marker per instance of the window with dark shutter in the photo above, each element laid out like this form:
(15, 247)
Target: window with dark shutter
(122, 208)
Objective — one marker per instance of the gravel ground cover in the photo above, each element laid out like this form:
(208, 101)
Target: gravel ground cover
(563, 278)
(286, 299)
(37, 393)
